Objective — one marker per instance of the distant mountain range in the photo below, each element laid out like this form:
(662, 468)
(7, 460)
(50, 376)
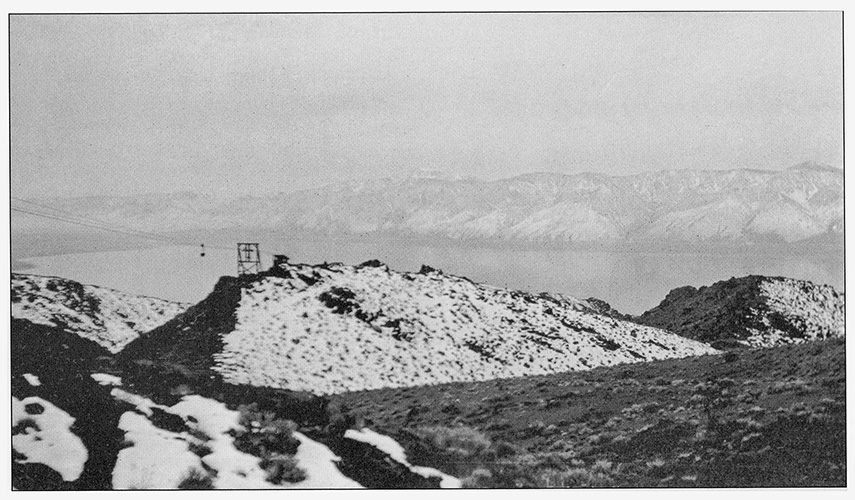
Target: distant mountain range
(803, 203)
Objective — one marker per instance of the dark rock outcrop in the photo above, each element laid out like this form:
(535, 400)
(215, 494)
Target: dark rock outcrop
(755, 311)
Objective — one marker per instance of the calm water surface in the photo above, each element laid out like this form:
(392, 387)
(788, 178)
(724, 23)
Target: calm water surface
(631, 282)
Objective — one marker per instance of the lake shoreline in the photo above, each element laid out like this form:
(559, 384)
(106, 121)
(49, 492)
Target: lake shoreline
(632, 282)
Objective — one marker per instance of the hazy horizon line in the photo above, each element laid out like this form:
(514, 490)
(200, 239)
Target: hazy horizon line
(431, 174)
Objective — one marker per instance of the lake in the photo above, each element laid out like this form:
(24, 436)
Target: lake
(630, 282)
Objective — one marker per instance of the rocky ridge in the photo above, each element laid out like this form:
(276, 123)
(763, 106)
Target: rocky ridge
(110, 318)
(752, 311)
(335, 328)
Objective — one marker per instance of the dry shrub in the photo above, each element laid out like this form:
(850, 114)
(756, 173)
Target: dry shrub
(462, 441)
(196, 480)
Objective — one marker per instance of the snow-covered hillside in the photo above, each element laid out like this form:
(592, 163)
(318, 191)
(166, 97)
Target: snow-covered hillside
(687, 206)
(141, 465)
(813, 311)
(337, 328)
(755, 311)
(163, 446)
(110, 318)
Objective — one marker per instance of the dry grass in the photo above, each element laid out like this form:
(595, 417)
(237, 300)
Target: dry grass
(756, 412)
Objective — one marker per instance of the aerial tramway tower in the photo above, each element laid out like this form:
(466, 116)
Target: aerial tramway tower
(249, 259)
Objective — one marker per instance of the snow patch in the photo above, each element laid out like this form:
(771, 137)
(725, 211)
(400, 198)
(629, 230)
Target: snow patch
(142, 405)
(383, 443)
(140, 466)
(396, 452)
(51, 441)
(158, 459)
(319, 463)
(234, 469)
(32, 380)
(106, 379)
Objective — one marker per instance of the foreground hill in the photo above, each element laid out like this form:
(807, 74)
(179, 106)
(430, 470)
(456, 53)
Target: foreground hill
(333, 328)
(670, 208)
(754, 311)
(78, 425)
(109, 318)
(85, 418)
(86, 430)
(773, 417)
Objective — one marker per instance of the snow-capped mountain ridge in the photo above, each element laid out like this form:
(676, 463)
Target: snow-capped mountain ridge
(692, 207)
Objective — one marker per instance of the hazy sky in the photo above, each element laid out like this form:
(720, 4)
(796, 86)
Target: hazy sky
(242, 103)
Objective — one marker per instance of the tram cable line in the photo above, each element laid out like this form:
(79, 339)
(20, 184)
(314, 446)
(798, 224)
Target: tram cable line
(90, 222)
(70, 218)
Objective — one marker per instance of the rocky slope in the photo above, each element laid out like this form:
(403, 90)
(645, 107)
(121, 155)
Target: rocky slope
(755, 311)
(77, 425)
(202, 388)
(88, 431)
(675, 207)
(111, 319)
(335, 328)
